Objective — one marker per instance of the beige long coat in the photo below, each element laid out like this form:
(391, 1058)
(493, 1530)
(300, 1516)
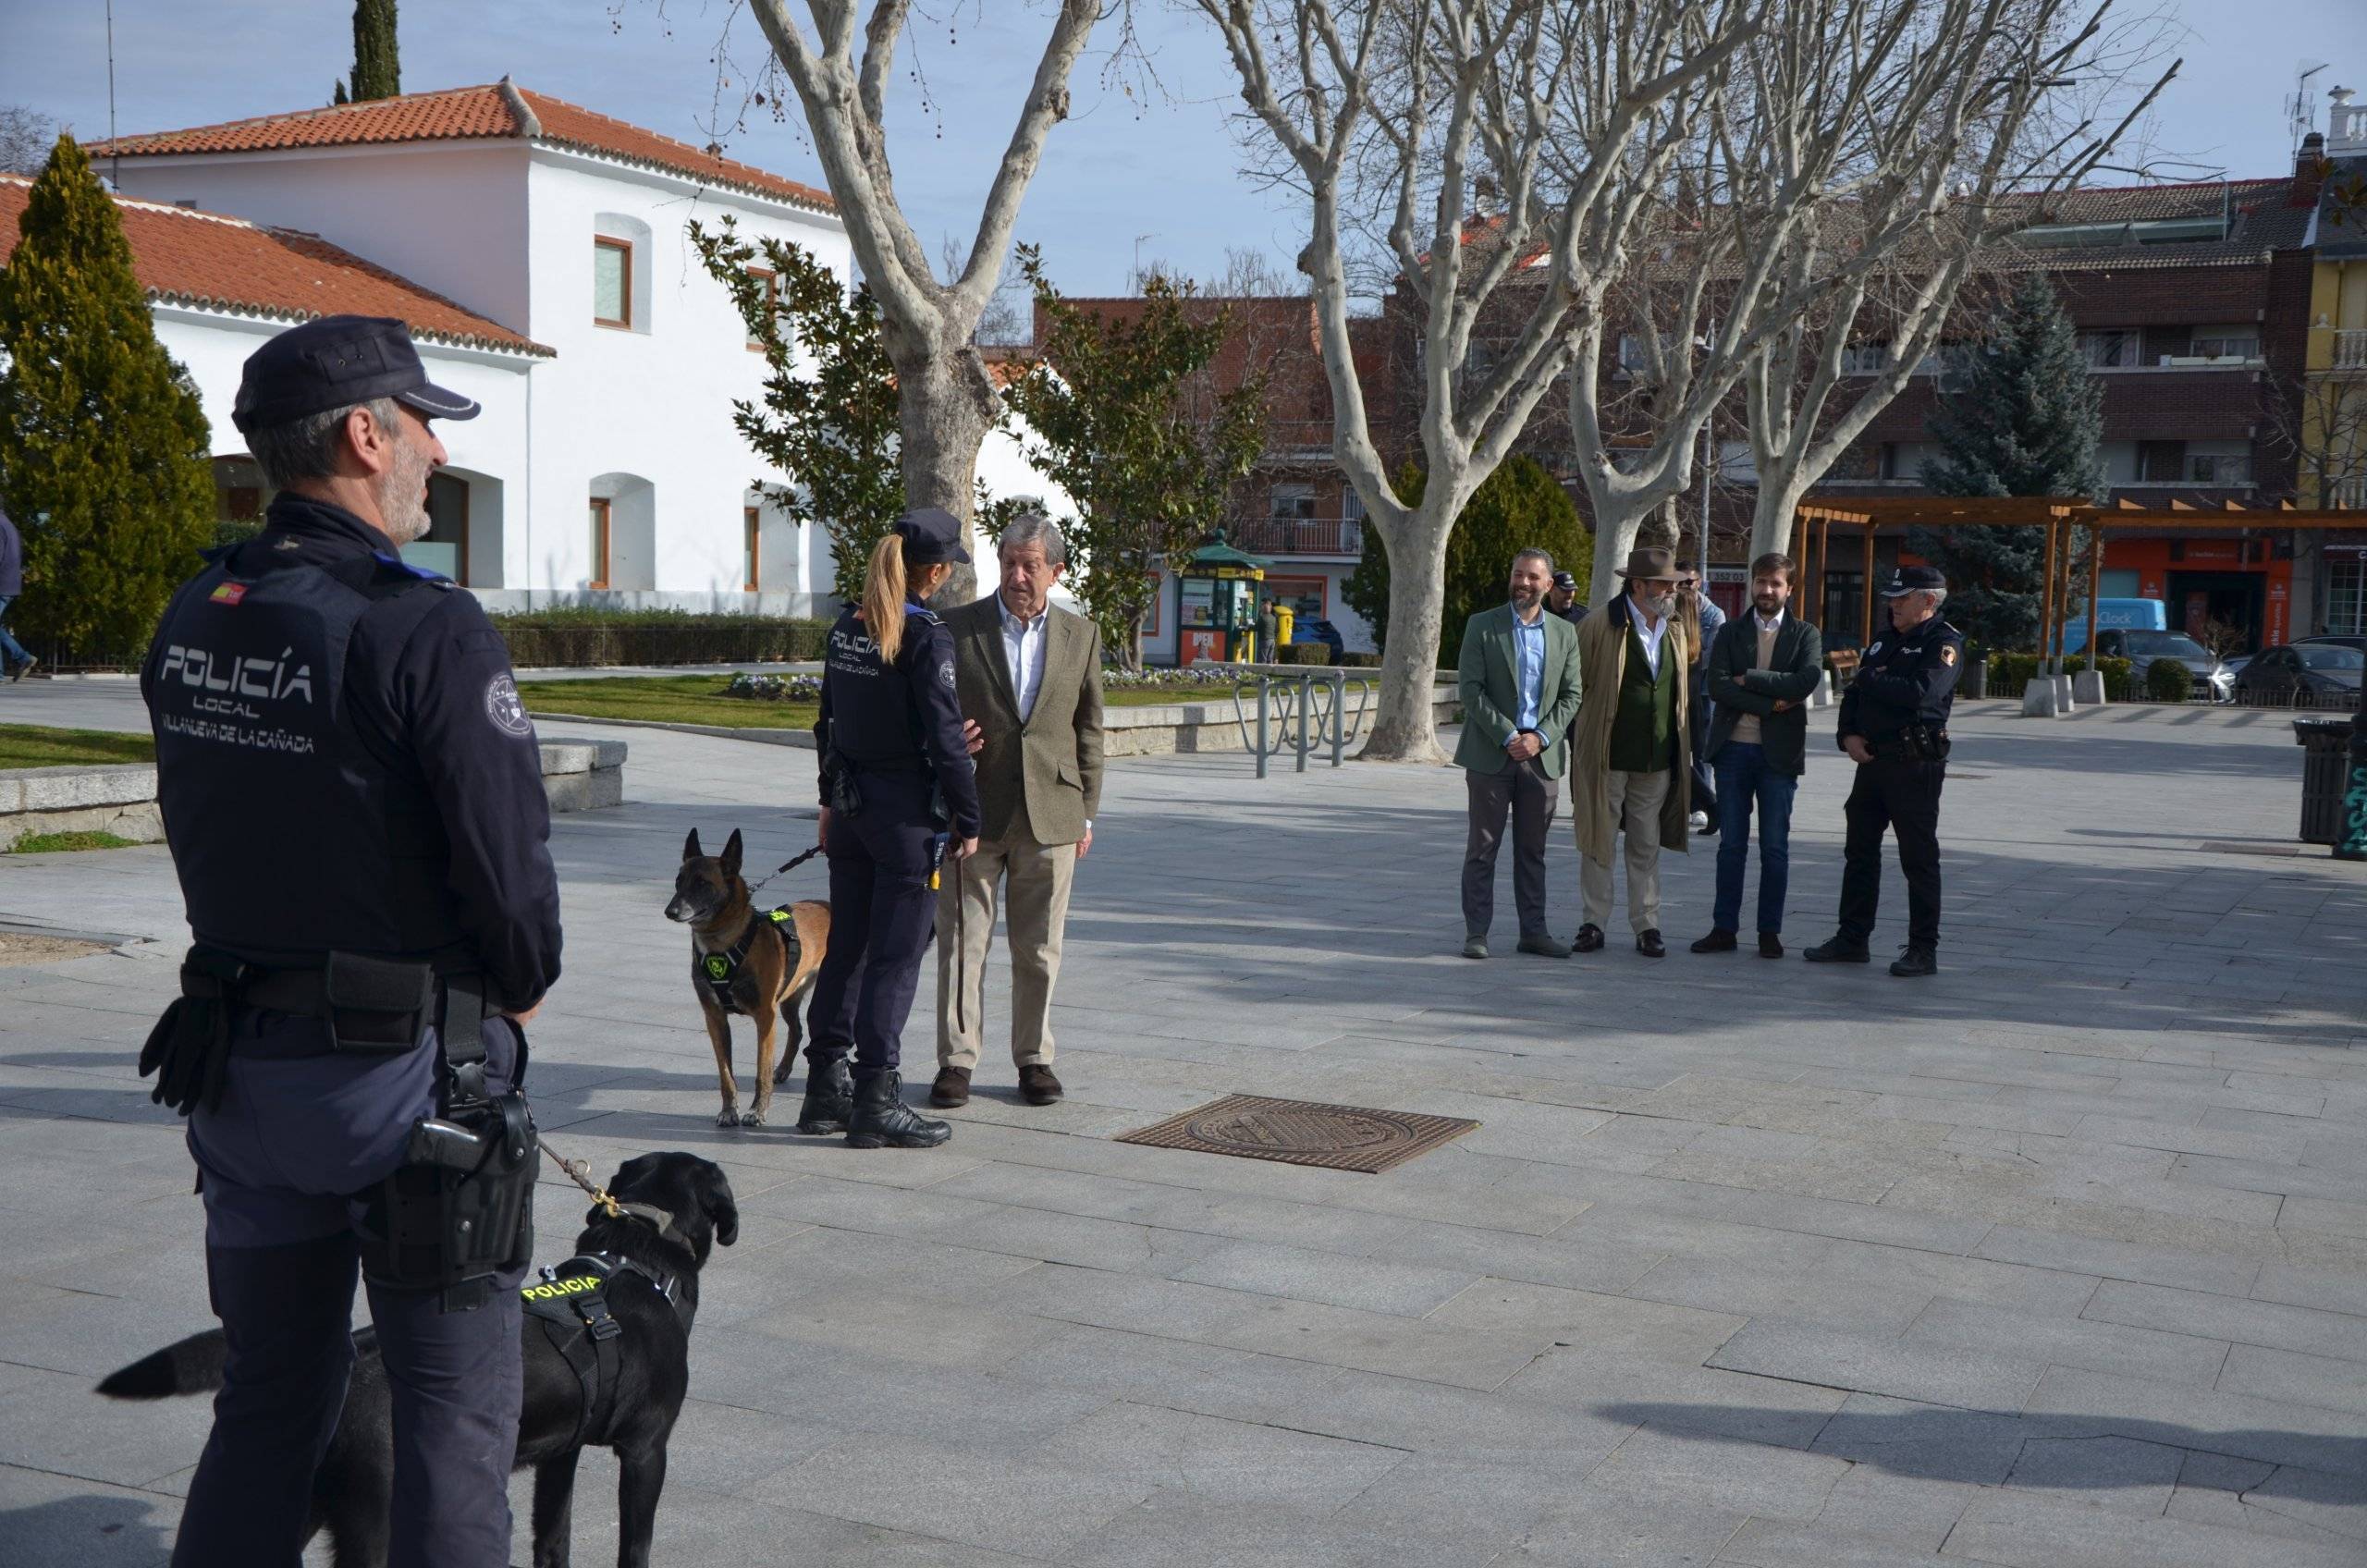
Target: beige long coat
(1602, 653)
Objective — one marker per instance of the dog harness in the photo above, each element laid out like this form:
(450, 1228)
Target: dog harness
(717, 970)
(571, 1302)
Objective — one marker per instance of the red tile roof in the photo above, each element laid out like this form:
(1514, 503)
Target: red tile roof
(216, 263)
(501, 110)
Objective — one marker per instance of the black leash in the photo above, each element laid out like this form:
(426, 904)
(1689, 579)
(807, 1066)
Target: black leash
(789, 866)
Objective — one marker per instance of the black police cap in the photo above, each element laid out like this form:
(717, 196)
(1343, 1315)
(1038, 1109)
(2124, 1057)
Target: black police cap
(1915, 580)
(334, 363)
(1564, 581)
(931, 534)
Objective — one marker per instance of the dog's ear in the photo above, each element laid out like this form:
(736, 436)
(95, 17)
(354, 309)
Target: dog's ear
(691, 850)
(731, 855)
(721, 1209)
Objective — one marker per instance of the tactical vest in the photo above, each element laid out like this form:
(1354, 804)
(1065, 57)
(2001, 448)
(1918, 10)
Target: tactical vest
(292, 835)
(717, 970)
(570, 1301)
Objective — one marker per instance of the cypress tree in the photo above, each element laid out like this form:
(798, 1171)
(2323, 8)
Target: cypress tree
(104, 449)
(2027, 420)
(377, 68)
(1520, 507)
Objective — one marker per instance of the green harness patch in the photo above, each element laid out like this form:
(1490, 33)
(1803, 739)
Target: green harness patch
(559, 1290)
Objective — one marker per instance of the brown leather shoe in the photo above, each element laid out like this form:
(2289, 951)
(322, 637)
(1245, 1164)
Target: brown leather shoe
(1037, 1085)
(951, 1088)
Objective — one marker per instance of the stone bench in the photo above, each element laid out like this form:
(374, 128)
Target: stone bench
(121, 798)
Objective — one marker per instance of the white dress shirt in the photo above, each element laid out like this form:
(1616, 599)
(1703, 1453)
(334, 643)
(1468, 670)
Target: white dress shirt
(1023, 652)
(1650, 636)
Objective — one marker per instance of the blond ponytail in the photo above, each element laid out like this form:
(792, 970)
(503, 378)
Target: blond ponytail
(883, 596)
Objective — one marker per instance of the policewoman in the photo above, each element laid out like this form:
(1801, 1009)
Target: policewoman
(1894, 727)
(354, 798)
(899, 797)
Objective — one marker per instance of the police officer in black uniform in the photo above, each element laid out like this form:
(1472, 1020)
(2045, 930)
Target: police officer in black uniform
(899, 796)
(1894, 725)
(354, 798)
(1562, 598)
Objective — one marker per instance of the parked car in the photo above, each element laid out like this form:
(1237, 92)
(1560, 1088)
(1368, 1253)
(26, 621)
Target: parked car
(1320, 630)
(2116, 615)
(2348, 639)
(2316, 673)
(2213, 681)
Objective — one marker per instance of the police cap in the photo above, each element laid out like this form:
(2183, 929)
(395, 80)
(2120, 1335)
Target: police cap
(335, 362)
(1565, 582)
(931, 534)
(1915, 580)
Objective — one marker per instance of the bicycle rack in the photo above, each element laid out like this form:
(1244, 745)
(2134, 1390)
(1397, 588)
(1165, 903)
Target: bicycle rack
(1300, 707)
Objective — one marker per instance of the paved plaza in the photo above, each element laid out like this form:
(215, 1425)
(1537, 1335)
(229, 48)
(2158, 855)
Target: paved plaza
(2057, 1260)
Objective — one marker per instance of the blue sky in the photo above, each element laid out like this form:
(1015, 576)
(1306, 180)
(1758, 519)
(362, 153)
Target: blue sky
(1153, 174)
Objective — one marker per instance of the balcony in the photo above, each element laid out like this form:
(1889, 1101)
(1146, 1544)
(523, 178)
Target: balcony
(2351, 348)
(1331, 538)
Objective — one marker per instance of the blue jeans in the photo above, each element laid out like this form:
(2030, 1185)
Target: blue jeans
(11, 651)
(1743, 778)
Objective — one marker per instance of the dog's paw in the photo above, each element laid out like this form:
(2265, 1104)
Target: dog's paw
(781, 1074)
(752, 1118)
(728, 1117)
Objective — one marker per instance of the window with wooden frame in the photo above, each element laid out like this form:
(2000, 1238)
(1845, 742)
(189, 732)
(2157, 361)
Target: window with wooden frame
(769, 282)
(600, 539)
(751, 558)
(611, 282)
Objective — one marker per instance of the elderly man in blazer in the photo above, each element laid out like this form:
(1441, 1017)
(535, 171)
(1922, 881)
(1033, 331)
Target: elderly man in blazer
(1519, 678)
(1762, 667)
(1029, 677)
(1630, 757)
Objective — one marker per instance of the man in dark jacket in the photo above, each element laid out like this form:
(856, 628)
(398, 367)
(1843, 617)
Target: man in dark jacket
(14, 661)
(1761, 669)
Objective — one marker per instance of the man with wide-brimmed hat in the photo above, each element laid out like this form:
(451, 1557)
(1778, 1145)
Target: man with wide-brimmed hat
(1629, 762)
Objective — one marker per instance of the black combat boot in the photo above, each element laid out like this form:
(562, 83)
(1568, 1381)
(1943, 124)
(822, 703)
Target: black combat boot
(1842, 949)
(882, 1120)
(829, 1100)
(1916, 961)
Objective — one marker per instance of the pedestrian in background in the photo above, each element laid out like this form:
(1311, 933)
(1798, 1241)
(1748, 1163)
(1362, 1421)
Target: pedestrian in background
(1562, 598)
(1703, 619)
(14, 661)
(1761, 669)
(1519, 672)
(1028, 675)
(1629, 767)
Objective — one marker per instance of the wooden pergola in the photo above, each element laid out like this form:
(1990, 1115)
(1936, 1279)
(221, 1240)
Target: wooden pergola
(2059, 514)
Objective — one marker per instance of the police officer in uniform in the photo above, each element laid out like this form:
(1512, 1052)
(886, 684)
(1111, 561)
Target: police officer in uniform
(1562, 598)
(899, 796)
(354, 798)
(1894, 725)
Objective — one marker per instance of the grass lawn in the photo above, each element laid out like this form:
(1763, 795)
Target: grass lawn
(33, 745)
(699, 699)
(52, 843)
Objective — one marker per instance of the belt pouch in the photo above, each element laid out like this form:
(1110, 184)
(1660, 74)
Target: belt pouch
(376, 1005)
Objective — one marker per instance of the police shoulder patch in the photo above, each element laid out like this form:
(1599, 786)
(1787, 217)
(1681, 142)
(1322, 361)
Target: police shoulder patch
(506, 709)
(1948, 654)
(1875, 649)
(945, 675)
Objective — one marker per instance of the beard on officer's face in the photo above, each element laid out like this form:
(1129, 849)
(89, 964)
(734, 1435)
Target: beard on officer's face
(401, 492)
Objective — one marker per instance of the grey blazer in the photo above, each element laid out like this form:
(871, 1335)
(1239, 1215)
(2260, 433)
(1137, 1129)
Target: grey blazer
(1737, 689)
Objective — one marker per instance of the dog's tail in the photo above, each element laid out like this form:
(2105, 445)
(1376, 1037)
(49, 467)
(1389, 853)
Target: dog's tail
(192, 1366)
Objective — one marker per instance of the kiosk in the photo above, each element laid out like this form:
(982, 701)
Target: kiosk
(1218, 619)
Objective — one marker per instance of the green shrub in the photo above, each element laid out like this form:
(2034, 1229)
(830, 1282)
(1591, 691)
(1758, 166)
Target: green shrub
(1360, 661)
(580, 636)
(2166, 680)
(2008, 673)
(1307, 653)
(2120, 676)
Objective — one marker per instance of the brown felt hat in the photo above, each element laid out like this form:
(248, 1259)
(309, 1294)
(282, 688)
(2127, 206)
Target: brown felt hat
(1650, 564)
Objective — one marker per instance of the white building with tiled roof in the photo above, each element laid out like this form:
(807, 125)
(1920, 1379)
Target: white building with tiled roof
(540, 251)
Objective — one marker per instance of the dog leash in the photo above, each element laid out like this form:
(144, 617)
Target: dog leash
(789, 866)
(579, 1171)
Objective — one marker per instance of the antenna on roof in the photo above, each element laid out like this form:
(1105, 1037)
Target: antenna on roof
(115, 161)
(2302, 104)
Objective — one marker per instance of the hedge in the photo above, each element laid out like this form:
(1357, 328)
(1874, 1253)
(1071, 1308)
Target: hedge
(575, 637)
(2008, 673)
(2166, 680)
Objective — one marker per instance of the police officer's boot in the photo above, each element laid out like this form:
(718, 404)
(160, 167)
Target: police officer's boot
(829, 1098)
(882, 1120)
(1842, 949)
(1915, 962)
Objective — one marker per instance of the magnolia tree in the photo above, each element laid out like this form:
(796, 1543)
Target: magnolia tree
(841, 75)
(1397, 117)
(1810, 243)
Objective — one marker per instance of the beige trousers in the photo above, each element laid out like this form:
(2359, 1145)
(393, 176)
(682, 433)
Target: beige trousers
(1636, 802)
(1039, 877)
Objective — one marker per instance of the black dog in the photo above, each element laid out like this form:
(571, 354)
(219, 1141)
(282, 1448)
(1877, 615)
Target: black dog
(681, 1206)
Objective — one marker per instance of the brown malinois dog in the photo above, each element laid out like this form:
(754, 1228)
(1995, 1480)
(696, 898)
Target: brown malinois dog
(759, 963)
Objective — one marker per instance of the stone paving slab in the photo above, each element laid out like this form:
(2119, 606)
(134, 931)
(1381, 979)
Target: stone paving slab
(2058, 1258)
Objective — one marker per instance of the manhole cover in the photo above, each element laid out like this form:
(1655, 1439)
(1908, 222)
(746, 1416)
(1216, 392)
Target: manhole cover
(1338, 1138)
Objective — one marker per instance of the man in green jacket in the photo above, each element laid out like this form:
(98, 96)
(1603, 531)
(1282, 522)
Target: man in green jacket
(1519, 679)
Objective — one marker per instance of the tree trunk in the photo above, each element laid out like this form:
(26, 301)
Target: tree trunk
(1405, 725)
(1614, 537)
(1774, 512)
(945, 411)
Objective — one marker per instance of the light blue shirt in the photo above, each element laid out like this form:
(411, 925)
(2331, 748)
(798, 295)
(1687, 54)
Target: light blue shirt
(1528, 643)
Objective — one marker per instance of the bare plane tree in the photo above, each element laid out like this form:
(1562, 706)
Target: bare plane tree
(929, 325)
(1862, 156)
(1404, 112)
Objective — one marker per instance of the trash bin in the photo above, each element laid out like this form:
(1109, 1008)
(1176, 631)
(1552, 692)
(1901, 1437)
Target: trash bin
(1283, 617)
(1974, 682)
(2326, 768)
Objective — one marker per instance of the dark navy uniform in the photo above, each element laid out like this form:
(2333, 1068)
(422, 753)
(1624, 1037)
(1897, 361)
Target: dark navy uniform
(344, 767)
(1899, 703)
(897, 731)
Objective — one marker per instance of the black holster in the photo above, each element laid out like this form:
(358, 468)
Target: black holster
(840, 791)
(1925, 742)
(188, 1050)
